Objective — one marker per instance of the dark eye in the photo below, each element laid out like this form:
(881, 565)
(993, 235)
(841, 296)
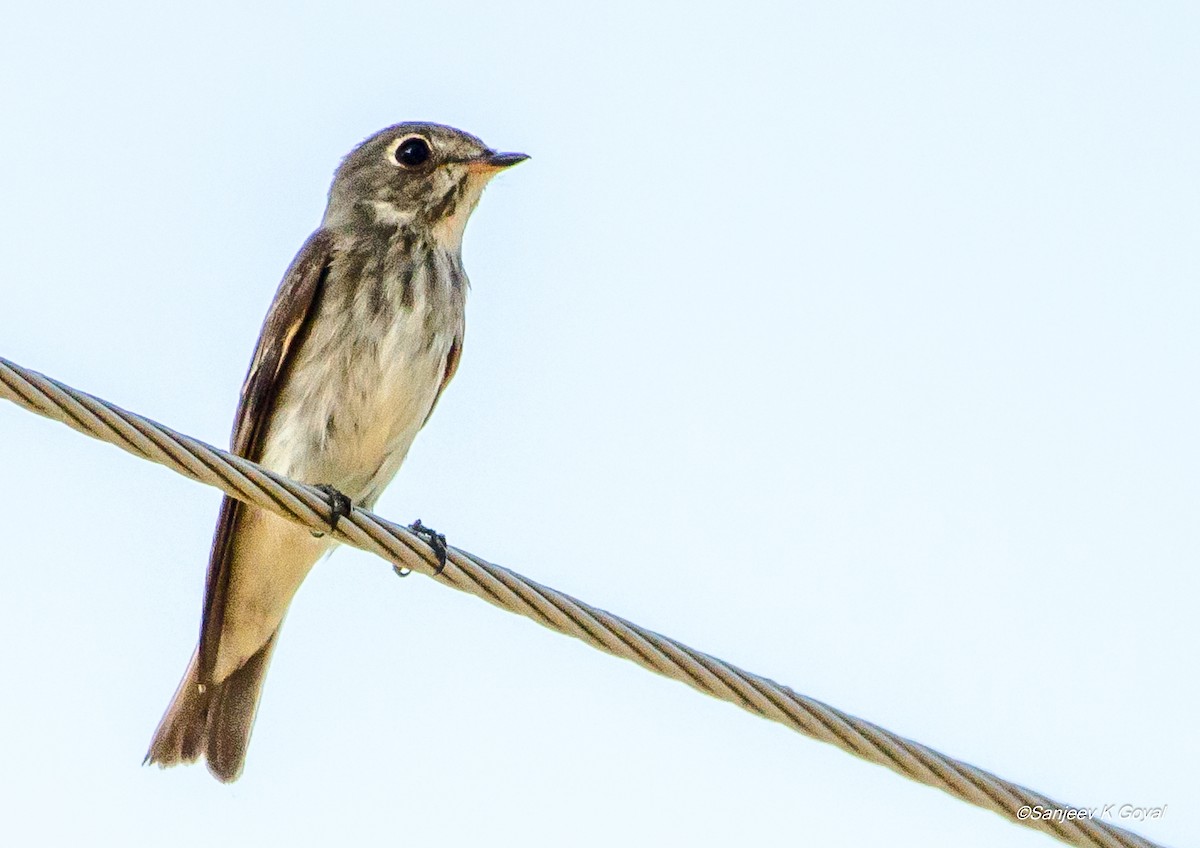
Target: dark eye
(412, 152)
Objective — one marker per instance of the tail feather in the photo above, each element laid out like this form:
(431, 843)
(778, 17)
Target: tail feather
(214, 720)
(231, 714)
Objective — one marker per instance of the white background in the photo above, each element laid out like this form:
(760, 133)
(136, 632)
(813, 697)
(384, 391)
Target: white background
(855, 343)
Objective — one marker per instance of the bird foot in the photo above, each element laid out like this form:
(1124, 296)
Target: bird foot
(434, 539)
(339, 506)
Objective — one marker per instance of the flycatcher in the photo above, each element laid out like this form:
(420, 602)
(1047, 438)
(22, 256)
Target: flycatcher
(363, 335)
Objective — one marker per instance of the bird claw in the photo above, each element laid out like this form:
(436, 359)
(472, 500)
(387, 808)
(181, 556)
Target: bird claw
(434, 539)
(339, 506)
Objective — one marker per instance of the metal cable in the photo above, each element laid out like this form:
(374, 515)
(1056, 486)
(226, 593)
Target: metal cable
(466, 572)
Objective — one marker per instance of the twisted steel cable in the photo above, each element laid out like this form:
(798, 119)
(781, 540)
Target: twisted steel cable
(466, 572)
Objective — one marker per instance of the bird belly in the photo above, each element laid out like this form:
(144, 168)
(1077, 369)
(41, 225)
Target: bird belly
(346, 417)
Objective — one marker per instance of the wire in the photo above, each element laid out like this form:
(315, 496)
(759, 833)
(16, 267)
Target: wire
(508, 590)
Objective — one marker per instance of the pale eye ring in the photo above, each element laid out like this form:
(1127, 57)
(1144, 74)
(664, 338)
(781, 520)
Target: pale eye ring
(412, 151)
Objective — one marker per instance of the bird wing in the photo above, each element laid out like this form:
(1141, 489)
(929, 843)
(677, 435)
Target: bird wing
(295, 304)
(451, 366)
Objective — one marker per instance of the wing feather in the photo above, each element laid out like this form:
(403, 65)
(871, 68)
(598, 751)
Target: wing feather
(295, 304)
(451, 366)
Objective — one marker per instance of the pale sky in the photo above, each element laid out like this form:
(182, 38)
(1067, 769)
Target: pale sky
(854, 343)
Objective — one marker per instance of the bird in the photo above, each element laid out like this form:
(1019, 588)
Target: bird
(360, 341)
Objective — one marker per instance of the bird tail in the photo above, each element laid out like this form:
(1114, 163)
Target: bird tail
(213, 720)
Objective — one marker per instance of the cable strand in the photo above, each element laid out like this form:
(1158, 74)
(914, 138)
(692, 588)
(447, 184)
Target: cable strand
(239, 478)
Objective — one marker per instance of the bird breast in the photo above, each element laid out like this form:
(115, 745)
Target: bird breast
(367, 374)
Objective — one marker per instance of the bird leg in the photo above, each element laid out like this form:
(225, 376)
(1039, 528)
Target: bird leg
(434, 539)
(339, 506)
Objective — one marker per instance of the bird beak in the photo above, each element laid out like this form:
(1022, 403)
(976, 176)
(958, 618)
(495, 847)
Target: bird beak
(493, 161)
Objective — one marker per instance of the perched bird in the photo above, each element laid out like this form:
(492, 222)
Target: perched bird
(363, 335)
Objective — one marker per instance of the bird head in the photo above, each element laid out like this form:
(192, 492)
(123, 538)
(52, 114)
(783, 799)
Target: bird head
(420, 176)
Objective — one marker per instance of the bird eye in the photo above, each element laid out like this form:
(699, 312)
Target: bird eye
(412, 152)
